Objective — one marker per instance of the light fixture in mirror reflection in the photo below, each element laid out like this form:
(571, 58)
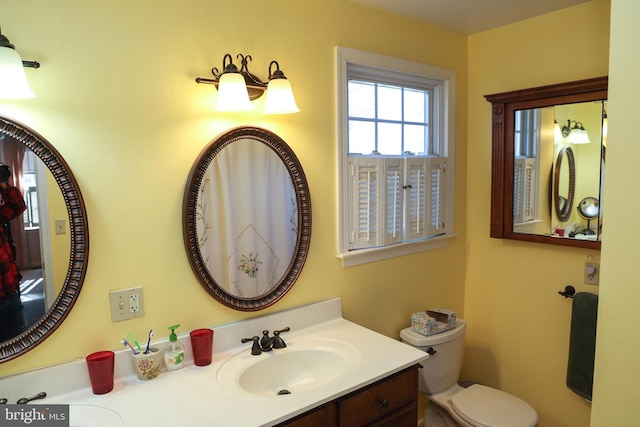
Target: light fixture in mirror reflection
(539, 172)
(52, 240)
(247, 218)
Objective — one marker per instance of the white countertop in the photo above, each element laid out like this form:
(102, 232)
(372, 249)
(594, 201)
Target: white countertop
(190, 395)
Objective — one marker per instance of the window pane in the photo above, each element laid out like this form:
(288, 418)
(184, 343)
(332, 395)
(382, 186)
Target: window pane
(415, 106)
(414, 138)
(362, 137)
(362, 98)
(389, 103)
(389, 138)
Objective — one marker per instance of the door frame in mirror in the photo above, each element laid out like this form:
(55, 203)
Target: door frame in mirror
(79, 233)
(190, 213)
(502, 160)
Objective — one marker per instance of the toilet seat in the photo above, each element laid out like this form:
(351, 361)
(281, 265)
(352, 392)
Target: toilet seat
(483, 406)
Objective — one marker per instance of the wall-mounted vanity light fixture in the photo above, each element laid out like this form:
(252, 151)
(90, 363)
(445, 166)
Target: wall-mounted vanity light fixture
(13, 80)
(576, 134)
(237, 88)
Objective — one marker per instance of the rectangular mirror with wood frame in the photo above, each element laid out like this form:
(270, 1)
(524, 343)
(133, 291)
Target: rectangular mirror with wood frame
(548, 146)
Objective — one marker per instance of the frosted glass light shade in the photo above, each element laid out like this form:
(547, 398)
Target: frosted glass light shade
(232, 93)
(280, 98)
(13, 80)
(557, 133)
(579, 136)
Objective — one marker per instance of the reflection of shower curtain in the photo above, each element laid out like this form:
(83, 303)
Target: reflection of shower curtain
(249, 224)
(13, 156)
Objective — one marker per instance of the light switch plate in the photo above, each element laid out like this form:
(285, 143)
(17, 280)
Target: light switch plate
(126, 304)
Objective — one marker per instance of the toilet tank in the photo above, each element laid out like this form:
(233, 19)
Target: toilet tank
(442, 369)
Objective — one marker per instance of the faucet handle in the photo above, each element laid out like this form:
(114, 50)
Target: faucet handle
(255, 348)
(277, 341)
(276, 333)
(24, 400)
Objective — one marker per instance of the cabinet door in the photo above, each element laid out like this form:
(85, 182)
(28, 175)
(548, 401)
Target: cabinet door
(406, 417)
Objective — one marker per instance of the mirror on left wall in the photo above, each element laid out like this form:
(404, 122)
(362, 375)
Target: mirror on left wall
(51, 236)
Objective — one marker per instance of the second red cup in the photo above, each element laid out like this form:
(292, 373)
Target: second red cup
(100, 366)
(202, 345)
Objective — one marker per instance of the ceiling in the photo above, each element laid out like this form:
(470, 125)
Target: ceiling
(470, 16)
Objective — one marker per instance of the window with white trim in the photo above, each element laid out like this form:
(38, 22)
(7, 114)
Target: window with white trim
(395, 156)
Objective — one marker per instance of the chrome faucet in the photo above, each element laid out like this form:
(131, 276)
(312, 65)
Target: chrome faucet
(266, 343)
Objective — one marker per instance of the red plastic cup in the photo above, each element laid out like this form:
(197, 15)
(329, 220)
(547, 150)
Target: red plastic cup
(202, 345)
(100, 366)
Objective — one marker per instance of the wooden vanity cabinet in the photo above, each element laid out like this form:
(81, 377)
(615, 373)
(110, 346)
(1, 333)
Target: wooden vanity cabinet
(390, 402)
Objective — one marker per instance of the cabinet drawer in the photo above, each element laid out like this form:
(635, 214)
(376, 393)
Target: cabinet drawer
(380, 399)
(325, 416)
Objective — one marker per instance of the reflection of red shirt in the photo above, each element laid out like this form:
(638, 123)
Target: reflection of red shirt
(12, 205)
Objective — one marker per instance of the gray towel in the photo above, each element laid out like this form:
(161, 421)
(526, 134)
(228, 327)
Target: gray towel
(582, 344)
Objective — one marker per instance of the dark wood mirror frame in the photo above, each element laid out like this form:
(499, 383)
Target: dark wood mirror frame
(189, 223)
(503, 107)
(79, 232)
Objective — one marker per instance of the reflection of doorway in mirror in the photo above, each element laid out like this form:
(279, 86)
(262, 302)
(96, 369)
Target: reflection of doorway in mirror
(30, 231)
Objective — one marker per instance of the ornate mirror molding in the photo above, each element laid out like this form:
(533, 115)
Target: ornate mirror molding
(246, 231)
(504, 108)
(37, 332)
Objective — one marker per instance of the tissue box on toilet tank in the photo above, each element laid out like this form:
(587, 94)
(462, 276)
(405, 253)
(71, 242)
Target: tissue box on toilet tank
(433, 321)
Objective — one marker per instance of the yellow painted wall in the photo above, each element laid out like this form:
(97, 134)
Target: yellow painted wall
(616, 391)
(518, 324)
(117, 98)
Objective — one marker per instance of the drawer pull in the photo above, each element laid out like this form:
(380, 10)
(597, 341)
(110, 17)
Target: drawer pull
(384, 402)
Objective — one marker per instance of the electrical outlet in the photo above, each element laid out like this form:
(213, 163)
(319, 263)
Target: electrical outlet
(126, 304)
(591, 273)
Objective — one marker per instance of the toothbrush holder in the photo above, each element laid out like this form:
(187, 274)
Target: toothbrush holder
(148, 365)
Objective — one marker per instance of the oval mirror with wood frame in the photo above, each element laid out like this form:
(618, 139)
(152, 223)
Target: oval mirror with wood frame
(59, 260)
(247, 218)
(564, 183)
(512, 145)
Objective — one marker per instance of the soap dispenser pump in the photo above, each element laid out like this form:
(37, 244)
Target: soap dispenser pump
(174, 353)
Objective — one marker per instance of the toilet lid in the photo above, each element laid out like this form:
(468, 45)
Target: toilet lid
(483, 406)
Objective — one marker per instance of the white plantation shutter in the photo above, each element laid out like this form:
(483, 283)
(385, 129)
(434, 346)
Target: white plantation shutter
(416, 208)
(437, 187)
(396, 199)
(524, 190)
(365, 213)
(394, 181)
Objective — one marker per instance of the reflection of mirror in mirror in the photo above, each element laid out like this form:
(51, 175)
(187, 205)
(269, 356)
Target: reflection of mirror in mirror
(564, 184)
(247, 218)
(538, 145)
(247, 225)
(51, 236)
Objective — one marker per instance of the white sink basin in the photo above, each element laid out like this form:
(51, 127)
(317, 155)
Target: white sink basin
(303, 365)
(86, 415)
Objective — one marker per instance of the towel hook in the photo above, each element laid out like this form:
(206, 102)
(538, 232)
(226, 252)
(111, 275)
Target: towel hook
(569, 291)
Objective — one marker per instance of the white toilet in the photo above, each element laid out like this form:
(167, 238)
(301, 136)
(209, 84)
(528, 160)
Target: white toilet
(476, 405)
